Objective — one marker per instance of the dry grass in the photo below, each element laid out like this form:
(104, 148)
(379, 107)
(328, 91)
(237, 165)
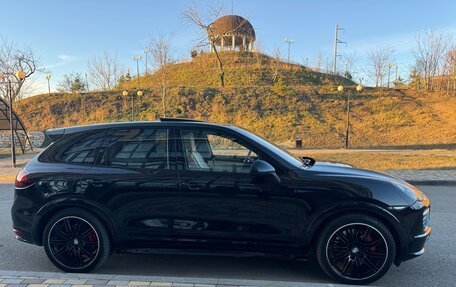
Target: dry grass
(368, 159)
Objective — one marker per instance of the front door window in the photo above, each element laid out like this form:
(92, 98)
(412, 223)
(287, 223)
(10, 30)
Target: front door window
(213, 151)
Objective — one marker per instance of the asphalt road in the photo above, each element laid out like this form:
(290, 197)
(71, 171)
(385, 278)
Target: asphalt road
(435, 268)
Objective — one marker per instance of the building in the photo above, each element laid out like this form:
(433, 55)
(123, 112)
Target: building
(232, 33)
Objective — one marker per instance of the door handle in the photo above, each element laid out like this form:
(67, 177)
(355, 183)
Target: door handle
(97, 183)
(192, 186)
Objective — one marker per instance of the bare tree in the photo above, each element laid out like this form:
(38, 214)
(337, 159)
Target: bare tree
(193, 15)
(104, 71)
(448, 76)
(161, 52)
(379, 58)
(276, 63)
(12, 60)
(429, 54)
(162, 56)
(350, 62)
(318, 62)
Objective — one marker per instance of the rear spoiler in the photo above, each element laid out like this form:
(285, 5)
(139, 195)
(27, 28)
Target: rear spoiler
(55, 134)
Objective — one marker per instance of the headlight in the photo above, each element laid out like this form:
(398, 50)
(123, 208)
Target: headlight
(417, 205)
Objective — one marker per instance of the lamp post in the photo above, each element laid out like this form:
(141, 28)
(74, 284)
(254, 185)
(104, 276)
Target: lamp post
(139, 93)
(125, 94)
(48, 78)
(6, 79)
(137, 59)
(347, 127)
(146, 53)
(289, 42)
(389, 73)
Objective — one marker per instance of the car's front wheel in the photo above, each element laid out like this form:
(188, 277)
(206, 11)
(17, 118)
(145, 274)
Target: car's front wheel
(76, 241)
(356, 249)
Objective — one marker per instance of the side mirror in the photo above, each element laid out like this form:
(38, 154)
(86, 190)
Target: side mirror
(260, 168)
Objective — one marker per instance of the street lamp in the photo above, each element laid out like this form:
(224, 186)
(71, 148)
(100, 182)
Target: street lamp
(139, 93)
(48, 78)
(389, 73)
(146, 52)
(347, 128)
(125, 94)
(289, 42)
(137, 59)
(6, 79)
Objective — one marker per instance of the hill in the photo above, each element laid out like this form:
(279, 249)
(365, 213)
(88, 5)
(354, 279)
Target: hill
(380, 117)
(280, 101)
(241, 69)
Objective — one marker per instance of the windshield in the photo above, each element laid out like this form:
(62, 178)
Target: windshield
(275, 149)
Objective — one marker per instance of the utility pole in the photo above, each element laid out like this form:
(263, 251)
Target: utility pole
(48, 78)
(13, 147)
(137, 59)
(87, 82)
(389, 73)
(336, 42)
(396, 72)
(146, 52)
(289, 42)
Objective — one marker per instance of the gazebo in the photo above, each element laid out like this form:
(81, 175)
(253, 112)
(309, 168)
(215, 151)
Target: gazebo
(18, 126)
(231, 33)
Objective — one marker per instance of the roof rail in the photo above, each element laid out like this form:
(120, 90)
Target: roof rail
(178, 120)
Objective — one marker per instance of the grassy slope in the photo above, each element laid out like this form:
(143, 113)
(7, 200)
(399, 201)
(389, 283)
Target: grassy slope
(241, 69)
(307, 106)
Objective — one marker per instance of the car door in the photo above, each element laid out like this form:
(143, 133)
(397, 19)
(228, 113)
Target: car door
(137, 181)
(222, 204)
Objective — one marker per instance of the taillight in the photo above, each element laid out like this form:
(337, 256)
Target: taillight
(23, 179)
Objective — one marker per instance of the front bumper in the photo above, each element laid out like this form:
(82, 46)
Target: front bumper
(416, 246)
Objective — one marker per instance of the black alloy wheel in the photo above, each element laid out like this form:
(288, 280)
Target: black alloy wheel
(76, 242)
(356, 249)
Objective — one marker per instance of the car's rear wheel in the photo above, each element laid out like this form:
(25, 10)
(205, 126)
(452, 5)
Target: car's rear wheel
(76, 241)
(356, 249)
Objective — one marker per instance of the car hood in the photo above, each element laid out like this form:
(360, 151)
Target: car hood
(344, 170)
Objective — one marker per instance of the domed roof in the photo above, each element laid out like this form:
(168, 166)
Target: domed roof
(233, 24)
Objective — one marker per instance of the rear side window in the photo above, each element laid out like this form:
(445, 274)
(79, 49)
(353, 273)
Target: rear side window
(144, 148)
(85, 150)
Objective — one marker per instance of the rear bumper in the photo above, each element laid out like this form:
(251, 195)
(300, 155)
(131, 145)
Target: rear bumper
(23, 236)
(23, 214)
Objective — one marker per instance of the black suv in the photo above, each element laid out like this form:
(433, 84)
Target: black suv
(183, 185)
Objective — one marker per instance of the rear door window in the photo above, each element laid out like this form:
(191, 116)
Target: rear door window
(138, 148)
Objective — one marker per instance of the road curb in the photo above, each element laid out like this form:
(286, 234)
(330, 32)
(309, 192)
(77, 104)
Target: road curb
(153, 280)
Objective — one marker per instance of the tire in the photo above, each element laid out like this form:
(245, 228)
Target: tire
(355, 249)
(76, 241)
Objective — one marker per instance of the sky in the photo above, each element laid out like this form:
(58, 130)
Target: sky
(66, 34)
